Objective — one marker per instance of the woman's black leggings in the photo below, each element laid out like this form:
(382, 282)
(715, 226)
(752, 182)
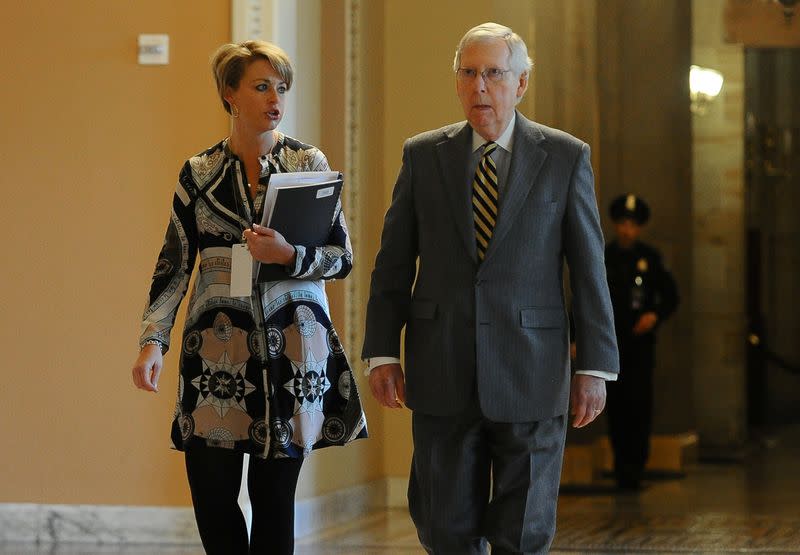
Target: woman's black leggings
(215, 475)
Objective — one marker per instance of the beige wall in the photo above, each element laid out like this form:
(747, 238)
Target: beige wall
(92, 144)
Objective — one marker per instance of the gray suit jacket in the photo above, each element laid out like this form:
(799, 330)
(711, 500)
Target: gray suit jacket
(501, 325)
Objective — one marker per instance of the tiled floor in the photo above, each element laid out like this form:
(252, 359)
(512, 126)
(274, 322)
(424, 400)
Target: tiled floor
(717, 508)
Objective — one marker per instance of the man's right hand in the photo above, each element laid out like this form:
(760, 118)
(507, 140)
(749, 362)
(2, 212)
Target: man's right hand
(388, 385)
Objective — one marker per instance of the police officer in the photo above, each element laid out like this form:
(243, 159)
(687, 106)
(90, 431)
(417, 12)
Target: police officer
(644, 294)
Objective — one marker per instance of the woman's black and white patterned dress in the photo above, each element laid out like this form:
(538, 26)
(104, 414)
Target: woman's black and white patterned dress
(265, 375)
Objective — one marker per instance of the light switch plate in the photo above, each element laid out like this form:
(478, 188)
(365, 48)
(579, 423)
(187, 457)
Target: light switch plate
(153, 49)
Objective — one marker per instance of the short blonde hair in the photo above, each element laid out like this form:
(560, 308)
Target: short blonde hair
(230, 60)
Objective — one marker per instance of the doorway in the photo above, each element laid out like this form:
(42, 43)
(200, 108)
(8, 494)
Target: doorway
(772, 201)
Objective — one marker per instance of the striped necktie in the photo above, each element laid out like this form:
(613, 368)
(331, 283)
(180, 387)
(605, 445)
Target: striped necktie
(484, 199)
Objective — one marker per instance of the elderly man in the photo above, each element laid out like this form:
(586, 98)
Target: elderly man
(484, 213)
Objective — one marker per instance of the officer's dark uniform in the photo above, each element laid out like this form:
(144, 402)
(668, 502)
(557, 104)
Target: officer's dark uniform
(638, 283)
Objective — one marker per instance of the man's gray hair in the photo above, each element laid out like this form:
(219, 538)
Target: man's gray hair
(519, 61)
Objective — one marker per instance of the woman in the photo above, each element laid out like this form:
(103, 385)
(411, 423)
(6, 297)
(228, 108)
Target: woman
(265, 374)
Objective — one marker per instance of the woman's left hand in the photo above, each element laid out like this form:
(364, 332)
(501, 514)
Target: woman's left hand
(268, 246)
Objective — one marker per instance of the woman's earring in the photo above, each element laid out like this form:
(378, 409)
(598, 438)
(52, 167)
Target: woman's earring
(234, 111)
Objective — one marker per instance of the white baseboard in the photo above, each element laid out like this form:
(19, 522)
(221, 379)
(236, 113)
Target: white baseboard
(99, 524)
(113, 524)
(337, 508)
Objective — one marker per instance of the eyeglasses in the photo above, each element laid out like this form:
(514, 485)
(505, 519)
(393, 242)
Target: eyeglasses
(490, 74)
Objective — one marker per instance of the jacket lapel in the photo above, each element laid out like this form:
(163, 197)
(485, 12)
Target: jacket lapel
(527, 158)
(453, 153)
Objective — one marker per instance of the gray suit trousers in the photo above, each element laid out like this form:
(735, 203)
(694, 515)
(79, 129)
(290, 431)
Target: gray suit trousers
(474, 480)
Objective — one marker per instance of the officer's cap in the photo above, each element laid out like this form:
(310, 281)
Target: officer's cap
(629, 207)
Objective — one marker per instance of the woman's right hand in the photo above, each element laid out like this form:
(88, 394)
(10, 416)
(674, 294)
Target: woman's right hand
(268, 246)
(147, 368)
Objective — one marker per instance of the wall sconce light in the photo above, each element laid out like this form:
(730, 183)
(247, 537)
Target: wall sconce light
(704, 86)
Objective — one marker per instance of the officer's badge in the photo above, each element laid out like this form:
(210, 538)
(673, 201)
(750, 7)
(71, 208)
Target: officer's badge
(641, 265)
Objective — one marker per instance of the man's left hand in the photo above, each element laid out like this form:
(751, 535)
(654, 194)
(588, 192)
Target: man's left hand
(646, 322)
(587, 397)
